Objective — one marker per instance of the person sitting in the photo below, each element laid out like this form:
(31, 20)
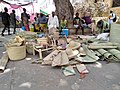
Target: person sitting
(63, 22)
(36, 24)
(87, 19)
(89, 23)
(42, 21)
(77, 22)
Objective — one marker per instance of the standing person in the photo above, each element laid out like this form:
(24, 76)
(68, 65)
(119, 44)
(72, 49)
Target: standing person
(77, 22)
(43, 21)
(6, 21)
(25, 19)
(13, 20)
(53, 21)
(111, 19)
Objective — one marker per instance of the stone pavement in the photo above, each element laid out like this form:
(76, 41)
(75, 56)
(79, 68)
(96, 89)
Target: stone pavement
(22, 75)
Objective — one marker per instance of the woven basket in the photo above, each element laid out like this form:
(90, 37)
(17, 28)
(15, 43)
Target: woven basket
(16, 53)
(29, 48)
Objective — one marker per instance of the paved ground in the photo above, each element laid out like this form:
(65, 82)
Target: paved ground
(22, 75)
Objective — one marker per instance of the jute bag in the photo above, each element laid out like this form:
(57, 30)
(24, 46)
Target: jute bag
(16, 52)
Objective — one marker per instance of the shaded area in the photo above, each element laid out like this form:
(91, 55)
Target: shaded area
(116, 3)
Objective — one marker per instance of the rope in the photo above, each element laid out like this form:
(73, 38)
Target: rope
(43, 2)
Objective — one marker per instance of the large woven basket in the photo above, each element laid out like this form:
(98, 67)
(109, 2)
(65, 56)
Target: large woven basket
(16, 53)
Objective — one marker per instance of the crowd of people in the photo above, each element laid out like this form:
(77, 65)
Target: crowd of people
(43, 23)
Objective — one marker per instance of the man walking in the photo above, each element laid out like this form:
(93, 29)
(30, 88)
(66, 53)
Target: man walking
(6, 21)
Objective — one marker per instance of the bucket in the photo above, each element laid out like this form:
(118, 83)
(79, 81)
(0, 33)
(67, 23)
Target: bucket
(16, 53)
(65, 32)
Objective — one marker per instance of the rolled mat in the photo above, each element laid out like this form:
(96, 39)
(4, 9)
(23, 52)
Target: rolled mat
(101, 47)
(115, 52)
(105, 53)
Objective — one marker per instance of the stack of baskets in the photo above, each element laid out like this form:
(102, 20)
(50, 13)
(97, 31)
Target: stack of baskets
(16, 49)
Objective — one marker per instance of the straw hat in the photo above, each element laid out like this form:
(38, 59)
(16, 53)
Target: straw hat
(56, 35)
(69, 39)
(52, 30)
(82, 51)
(62, 44)
(71, 53)
(73, 45)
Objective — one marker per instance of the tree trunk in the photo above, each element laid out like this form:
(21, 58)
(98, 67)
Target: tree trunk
(64, 7)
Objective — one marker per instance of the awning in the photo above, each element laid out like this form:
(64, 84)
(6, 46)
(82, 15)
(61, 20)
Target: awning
(43, 12)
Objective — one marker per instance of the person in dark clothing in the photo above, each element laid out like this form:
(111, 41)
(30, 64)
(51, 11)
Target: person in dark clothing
(25, 19)
(6, 21)
(13, 20)
(77, 22)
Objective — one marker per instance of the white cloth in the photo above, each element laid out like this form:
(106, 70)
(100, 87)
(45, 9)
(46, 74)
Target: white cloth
(112, 17)
(53, 22)
(76, 26)
(103, 36)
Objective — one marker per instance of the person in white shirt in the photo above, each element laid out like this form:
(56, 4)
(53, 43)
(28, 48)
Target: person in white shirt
(53, 21)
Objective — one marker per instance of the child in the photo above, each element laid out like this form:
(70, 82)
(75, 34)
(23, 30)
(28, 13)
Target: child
(36, 25)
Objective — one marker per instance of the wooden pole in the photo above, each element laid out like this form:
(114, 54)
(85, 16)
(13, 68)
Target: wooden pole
(40, 54)
(3, 62)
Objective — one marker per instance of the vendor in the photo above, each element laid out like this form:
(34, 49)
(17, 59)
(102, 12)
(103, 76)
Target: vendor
(87, 18)
(88, 22)
(42, 21)
(77, 22)
(102, 26)
(63, 22)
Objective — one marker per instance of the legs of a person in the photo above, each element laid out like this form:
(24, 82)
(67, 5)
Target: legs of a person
(76, 31)
(27, 27)
(8, 26)
(14, 29)
(93, 28)
(82, 28)
(109, 26)
(4, 30)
